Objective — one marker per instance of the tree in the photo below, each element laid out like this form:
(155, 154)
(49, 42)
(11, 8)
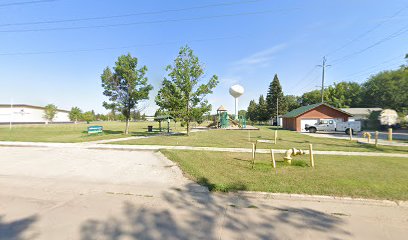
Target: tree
(274, 95)
(183, 93)
(88, 116)
(136, 115)
(75, 114)
(126, 86)
(49, 112)
(242, 112)
(344, 95)
(292, 102)
(262, 110)
(311, 97)
(252, 112)
(387, 89)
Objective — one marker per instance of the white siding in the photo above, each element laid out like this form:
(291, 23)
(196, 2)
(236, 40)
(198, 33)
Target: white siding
(28, 115)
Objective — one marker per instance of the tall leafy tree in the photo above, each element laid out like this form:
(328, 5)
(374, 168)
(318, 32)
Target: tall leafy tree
(387, 89)
(183, 92)
(311, 97)
(88, 116)
(262, 110)
(125, 86)
(292, 102)
(344, 95)
(252, 113)
(50, 111)
(75, 114)
(275, 97)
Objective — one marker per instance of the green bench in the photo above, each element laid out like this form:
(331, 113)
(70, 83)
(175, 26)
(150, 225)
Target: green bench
(95, 129)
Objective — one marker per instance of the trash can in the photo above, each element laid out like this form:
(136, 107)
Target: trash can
(150, 128)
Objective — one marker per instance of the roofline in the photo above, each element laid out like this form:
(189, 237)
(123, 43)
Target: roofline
(327, 105)
(30, 106)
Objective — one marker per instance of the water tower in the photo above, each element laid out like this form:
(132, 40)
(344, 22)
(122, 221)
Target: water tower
(236, 91)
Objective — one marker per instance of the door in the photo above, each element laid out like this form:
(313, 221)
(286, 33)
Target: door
(326, 125)
(309, 122)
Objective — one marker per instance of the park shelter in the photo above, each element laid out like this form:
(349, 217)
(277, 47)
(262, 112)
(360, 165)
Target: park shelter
(296, 119)
(161, 118)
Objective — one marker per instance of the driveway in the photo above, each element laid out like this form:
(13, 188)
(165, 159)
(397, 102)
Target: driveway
(79, 193)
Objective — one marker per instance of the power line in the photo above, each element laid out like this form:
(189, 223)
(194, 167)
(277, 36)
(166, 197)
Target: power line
(130, 14)
(142, 22)
(361, 74)
(304, 83)
(114, 48)
(389, 37)
(374, 66)
(25, 3)
(139, 23)
(368, 32)
(304, 77)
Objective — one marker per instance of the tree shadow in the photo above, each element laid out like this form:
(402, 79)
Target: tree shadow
(190, 213)
(15, 230)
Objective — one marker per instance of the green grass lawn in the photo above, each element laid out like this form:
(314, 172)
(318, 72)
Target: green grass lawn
(366, 177)
(71, 132)
(240, 139)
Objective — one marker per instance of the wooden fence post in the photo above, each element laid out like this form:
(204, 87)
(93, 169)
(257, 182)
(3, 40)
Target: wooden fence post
(376, 138)
(273, 158)
(351, 134)
(390, 134)
(311, 155)
(253, 155)
(276, 135)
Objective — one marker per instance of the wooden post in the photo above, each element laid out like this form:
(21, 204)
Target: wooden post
(390, 134)
(253, 155)
(276, 135)
(376, 138)
(311, 155)
(273, 159)
(351, 134)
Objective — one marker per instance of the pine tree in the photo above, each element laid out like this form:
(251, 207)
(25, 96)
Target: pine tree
(275, 92)
(252, 111)
(262, 110)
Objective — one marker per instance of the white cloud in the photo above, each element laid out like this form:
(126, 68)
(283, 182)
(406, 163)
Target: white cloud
(261, 58)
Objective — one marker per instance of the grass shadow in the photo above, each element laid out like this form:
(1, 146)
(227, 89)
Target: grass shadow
(230, 187)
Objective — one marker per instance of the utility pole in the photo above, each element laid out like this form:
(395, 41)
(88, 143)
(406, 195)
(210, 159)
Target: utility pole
(323, 66)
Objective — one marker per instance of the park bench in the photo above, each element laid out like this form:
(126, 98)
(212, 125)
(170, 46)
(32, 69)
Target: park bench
(95, 129)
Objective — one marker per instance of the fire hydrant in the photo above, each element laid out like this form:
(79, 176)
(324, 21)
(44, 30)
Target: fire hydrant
(368, 136)
(292, 152)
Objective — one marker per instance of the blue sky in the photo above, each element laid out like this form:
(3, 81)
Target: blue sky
(243, 42)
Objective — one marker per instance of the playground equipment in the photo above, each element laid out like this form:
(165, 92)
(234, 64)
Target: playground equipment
(225, 121)
(236, 91)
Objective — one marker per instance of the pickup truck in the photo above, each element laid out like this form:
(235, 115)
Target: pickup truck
(332, 125)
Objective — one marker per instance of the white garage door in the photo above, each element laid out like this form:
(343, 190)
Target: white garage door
(303, 122)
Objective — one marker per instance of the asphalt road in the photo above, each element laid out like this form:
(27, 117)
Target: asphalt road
(78, 193)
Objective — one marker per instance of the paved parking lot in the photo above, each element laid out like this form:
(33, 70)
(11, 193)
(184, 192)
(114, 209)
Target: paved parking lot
(79, 193)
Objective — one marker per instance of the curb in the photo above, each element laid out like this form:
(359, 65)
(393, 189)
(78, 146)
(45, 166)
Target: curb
(323, 198)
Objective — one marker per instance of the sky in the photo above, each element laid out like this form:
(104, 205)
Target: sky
(54, 51)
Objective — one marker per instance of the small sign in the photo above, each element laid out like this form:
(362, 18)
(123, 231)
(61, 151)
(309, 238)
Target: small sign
(95, 129)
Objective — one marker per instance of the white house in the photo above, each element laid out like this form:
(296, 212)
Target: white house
(361, 113)
(22, 113)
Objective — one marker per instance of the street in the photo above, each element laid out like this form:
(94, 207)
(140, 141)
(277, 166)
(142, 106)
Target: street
(78, 193)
